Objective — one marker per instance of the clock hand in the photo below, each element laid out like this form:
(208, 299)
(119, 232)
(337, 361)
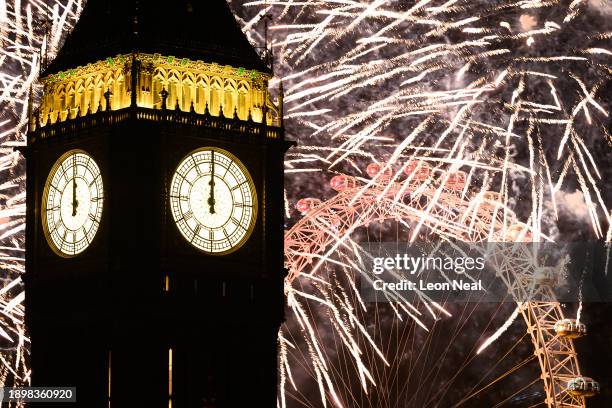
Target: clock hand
(211, 198)
(75, 203)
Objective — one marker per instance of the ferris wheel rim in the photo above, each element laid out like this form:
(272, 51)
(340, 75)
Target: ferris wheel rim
(554, 396)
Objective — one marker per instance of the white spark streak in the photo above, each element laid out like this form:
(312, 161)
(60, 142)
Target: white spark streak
(513, 107)
(431, 82)
(501, 330)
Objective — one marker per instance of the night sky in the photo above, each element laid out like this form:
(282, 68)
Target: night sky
(439, 367)
(429, 375)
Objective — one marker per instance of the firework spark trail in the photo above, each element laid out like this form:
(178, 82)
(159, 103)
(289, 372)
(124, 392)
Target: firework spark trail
(514, 99)
(456, 69)
(29, 31)
(501, 330)
(330, 224)
(502, 89)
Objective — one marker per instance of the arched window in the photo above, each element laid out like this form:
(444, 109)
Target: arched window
(60, 103)
(215, 96)
(89, 95)
(159, 83)
(70, 101)
(229, 98)
(80, 98)
(98, 91)
(243, 100)
(110, 86)
(201, 94)
(188, 91)
(119, 95)
(174, 89)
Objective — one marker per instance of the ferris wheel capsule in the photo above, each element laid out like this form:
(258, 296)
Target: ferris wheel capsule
(418, 169)
(518, 232)
(342, 182)
(382, 171)
(305, 205)
(570, 328)
(490, 200)
(583, 387)
(492, 197)
(456, 180)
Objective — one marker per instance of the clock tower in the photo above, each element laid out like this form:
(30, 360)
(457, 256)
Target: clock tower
(155, 211)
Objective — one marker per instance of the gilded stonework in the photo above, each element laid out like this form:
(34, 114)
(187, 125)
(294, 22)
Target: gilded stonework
(162, 82)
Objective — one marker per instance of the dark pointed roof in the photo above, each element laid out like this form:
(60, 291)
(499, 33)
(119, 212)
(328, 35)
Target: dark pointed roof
(196, 29)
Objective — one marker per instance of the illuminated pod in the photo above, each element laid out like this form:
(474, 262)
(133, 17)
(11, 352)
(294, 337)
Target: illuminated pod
(456, 180)
(418, 170)
(213, 200)
(570, 328)
(381, 171)
(72, 203)
(342, 182)
(305, 205)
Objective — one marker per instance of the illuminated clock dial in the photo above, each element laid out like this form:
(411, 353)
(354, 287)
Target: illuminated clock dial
(72, 203)
(213, 200)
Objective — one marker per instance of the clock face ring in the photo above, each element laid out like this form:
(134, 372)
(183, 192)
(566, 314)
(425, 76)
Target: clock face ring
(213, 200)
(72, 203)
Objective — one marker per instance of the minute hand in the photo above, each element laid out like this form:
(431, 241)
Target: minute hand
(211, 198)
(75, 203)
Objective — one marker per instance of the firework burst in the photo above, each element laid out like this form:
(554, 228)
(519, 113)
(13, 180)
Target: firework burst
(30, 32)
(510, 94)
(513, 93)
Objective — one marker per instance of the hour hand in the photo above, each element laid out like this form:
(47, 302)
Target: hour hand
(75, 203)
(211, 197)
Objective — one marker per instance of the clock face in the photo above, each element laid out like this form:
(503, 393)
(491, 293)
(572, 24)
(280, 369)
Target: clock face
(72, 203)
(213, 200)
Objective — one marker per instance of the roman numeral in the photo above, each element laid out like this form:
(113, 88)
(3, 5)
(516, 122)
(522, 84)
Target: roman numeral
(235, 221)
(237, 186)
(94, 180)
(197, 168)
(187, 215)
(180, 197)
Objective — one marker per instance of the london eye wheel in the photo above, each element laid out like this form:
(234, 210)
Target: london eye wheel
(426, 203)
